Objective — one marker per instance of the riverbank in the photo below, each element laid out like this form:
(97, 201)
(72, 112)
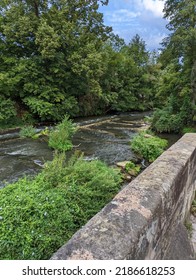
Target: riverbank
(106, 138)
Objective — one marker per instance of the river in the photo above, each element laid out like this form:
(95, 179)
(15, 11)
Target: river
(106, 138)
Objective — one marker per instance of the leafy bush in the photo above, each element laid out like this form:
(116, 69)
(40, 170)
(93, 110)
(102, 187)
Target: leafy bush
(148, 147)
(47, 109)
(163, 121)
(7, 109)
(27, 118)
(27, 131)
(39, 215)
(60, 137)
(40, 107)
(172, 117)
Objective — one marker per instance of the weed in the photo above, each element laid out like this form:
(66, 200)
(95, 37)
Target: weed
(132, 168)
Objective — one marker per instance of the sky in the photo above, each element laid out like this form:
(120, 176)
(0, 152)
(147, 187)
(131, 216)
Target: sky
(142, 17)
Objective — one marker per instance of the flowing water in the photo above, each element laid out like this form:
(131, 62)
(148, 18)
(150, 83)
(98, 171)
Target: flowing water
(106, 138)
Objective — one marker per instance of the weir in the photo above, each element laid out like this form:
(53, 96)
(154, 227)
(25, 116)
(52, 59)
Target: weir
(145, 220)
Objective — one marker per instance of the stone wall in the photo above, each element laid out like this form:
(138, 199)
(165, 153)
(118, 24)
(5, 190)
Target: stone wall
(146, 219)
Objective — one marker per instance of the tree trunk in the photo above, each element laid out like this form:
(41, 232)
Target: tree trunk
(36, 8)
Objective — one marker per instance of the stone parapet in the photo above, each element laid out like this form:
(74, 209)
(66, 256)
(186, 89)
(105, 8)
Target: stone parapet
(145, 219)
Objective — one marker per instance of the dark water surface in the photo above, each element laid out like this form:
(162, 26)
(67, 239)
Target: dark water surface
(106, 138)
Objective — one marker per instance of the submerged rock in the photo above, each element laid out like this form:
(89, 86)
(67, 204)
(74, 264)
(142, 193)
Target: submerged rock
(122, 164)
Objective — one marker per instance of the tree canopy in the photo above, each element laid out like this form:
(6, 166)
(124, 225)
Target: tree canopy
(177, 83)
(58, 57)
(50, 54)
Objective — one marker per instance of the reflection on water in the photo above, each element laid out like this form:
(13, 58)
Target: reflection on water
(106, 138)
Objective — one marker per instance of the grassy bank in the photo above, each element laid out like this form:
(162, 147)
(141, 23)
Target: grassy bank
(39, 215)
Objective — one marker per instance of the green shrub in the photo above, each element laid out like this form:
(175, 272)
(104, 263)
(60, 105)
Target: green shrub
(188, 130)
(47, 109)
(131, 166)
(27, 131)
(163, 121)
(7, 110)
(14, 122)
(60, 137)
(148, 147)
(27, 118)
(39, 215)
(40, 107)
(174, 116)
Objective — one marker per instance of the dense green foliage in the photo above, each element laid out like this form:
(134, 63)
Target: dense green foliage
(147, 146)
(176, 89)
(7, 109)
(129, 80)
(58, 58)
(60, 137)
(39, 215)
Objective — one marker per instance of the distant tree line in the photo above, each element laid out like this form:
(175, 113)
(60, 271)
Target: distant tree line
(58, 57)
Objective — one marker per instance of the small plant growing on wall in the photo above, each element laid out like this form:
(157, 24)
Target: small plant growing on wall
(132, 168)
(193, 206)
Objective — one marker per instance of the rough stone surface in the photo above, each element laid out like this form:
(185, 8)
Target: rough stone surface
(122, 164)
(141, 221)
(180, 247)
(193, 233)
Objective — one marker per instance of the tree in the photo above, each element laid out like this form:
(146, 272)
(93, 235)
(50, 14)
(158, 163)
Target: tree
(129, 78)
(143, 76)
(177, 79)
(51, 55)
(182, 41)
(137, 49)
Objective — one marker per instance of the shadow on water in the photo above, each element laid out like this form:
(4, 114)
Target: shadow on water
(106, 138)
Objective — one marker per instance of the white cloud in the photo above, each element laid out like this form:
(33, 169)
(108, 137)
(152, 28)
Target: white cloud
(154, 6)
(143, 17)
(122, 15)
(153, 41)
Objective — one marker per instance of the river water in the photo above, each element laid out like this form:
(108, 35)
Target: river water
(106, 138)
